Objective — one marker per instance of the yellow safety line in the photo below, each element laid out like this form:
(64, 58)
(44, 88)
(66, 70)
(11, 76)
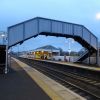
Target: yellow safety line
(51, 93)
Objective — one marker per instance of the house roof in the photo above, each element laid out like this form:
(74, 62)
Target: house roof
(48, 47)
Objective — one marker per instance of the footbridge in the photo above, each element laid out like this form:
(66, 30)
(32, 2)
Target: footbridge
(42, 26)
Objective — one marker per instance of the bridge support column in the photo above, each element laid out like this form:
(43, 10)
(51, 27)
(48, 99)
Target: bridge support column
(89, 58)
(97, 57)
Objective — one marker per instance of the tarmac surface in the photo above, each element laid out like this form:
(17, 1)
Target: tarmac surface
(17, 85)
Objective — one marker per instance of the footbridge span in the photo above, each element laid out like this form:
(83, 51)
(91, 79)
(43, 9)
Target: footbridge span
(42, 26)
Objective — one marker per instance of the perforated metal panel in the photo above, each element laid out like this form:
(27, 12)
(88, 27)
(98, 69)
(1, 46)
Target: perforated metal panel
(86, 35)
(68, 28)
(94, 41)
(15, 34)
(44, 25)
(31, 28)
(78, 30)
(56, 27)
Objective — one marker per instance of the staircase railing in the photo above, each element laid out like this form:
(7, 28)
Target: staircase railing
(81, 53)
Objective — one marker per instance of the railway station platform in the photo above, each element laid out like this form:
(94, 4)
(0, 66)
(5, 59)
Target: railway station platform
(25, 83)
(84, 66)
(17, 85)
(77, 65)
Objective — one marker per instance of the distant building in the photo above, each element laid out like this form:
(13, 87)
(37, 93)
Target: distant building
(45, 52)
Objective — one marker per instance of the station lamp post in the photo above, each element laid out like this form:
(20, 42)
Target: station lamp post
(70, 41)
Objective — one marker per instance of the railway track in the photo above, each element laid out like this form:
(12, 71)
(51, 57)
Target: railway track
(88, 78)
(83, 86)
(92, 78)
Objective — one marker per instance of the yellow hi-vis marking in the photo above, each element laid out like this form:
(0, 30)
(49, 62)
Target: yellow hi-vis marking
(29, 70)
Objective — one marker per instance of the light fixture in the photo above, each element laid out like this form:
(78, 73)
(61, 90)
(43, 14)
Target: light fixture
(3, 35)
(98, 16)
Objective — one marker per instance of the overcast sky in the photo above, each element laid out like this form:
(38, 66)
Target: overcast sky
(75, 11)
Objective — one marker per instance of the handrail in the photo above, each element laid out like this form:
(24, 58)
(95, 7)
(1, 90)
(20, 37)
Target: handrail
(81, 53)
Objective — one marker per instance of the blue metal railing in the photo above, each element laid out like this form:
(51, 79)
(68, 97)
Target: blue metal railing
(81, 53)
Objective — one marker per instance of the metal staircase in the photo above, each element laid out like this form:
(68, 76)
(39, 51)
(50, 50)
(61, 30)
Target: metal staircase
(83, 53)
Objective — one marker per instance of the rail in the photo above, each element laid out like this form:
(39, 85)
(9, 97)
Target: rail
(83, 85)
